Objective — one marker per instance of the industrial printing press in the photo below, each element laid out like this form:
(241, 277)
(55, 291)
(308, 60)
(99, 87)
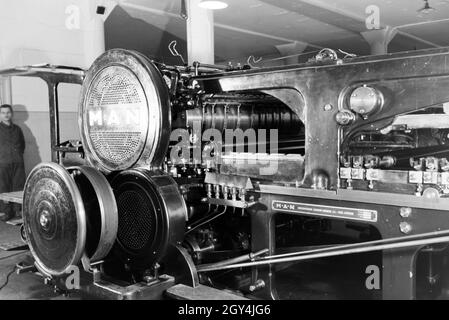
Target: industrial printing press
(231, 178)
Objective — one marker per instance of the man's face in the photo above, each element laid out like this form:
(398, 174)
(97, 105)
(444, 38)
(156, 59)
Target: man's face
(5, 115)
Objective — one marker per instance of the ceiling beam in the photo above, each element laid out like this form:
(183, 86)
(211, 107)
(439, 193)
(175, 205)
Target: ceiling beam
(362, 19)
(125, 5)
(264, 35)
(411, 36)
(409, 25)
(343, 19)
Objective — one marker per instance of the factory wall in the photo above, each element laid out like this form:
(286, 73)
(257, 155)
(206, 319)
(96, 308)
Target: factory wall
(57, 32)
(124, 31)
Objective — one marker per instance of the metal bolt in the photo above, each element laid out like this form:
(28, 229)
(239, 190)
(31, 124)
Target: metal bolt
(44, 219)
(405, 212)
(259, 284)
(405, 227)
(344, 118)
(327, 107)
(418, 191)
(234, 193)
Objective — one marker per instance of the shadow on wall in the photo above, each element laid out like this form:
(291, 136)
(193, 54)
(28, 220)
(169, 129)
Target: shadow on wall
(32, 155)
(124, 31)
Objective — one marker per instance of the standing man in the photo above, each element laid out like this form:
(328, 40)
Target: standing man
(12, 169)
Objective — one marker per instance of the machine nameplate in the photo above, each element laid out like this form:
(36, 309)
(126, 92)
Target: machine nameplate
(325, 211)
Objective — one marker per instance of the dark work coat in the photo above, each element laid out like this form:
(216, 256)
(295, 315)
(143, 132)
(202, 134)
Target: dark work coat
(12, 170)
(12, 144)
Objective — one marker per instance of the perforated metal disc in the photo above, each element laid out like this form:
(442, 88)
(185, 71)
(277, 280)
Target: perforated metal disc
(54, 219)
(112, 138)
(152, 215)
(124, 112)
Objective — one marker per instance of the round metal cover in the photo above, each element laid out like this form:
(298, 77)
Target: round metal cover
(152, 215)
(101, 211)
(54, 219)
(124, 112)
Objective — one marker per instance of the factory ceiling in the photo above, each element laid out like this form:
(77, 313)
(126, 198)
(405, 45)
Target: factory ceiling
(257, 27)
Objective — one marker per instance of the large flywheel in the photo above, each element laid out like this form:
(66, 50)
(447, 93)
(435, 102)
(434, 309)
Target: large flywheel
(68, 214)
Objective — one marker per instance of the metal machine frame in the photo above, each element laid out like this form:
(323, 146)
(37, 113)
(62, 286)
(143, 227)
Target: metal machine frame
(53, 76)
(321, 95)
(315, 93)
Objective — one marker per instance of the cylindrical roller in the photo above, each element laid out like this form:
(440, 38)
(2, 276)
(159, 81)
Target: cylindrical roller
(101, 211)
(152, 215)
(235, 115)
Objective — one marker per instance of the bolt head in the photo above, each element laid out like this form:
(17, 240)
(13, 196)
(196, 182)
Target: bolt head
(405, 227)
(405, 212)
(44, 219)
(328, 107)
(344, 118)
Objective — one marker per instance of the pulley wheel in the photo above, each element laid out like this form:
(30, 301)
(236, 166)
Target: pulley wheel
(178, 263)
(100, 208)
(54, 219)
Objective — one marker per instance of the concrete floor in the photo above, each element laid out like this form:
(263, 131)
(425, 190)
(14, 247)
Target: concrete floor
(24, 286)
(319, 280)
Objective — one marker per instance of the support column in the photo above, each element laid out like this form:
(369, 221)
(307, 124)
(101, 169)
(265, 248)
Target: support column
(5, 90)
(5, 82)
(200, 33)
(94, 38)
(94, 42)
(291, 49)
(379, 39)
